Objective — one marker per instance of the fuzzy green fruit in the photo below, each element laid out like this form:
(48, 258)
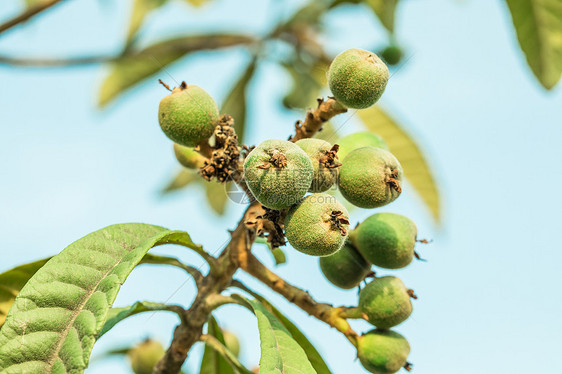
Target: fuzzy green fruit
(386, 302)
(188, 116)
(278, 173)
(386, 239)
(392, 54)
(357, 78)
(145, 356)
(346, 268)
(383, 352)
(317, 225)
(188, 157)
(231, 342)
(359, 140)
(370, 177)
(324, 161)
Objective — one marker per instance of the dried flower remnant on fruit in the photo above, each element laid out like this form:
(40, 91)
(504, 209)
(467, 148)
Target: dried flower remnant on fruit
(225, 154)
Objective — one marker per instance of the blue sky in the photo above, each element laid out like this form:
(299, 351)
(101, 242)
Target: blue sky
(489, 293)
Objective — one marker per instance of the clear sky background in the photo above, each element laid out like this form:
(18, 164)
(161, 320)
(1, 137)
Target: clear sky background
(489, 295)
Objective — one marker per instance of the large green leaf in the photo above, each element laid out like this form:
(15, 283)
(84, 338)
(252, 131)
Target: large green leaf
(538, 24)
(213, 362)
(407, 151)
(56, 317)
(116, 315)
(136, 66)
(12, 281)
(235, 102)
(140, 10)
(280, 353)
(385, 11)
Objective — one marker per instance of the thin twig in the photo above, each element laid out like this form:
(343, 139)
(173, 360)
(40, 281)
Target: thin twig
(314, 119)
(27, 14)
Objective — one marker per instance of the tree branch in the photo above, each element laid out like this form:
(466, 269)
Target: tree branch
(56, 62)
(314, 119)
(27, 14)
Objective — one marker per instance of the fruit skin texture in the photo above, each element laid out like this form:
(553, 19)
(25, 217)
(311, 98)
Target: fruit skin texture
(188, 116)
(386, 302)
(145, 356)
(386, 239)
(357, 78)
(188, 157)
(383, 352)
(324, 177)
(369, 176)
(359, 140)
(313, 226)
(278, 173)
(346, 268)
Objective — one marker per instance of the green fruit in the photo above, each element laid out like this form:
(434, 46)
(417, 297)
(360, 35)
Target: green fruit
(145, 356)
(392, 54)
(383, 352)
(278, 173)
(386, 302)
(188, 157)
(188, 116)
(317, 225)
(357, 78)
(324, 161)
(386, 239)
(359, 140)
(231, 342)
(370, 177)
(346, 268)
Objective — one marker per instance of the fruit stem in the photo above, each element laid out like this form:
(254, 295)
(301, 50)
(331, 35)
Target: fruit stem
(165, 85)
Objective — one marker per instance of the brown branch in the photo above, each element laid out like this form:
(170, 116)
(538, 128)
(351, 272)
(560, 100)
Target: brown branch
(333, 316)
(314, 119)
(27, 14)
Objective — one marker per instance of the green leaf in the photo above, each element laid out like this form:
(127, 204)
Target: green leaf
(407, 151)
(235, 103)
(183, 178)
(308, 81)
(280, 353)
(213, 362)
(116, 315)
(313, 355)
(136, 66)
(538, 24)
(279, 256)
(56, 317)
(385, 11)
(140, 10)
(216, 195)
(12, 281)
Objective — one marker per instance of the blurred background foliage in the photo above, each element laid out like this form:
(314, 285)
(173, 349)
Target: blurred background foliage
(538, 24)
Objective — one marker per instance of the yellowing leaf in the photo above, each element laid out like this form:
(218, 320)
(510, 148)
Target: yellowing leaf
(136, 66)
(196, 3)
(538, 24)
(407, 151)
(216, 195)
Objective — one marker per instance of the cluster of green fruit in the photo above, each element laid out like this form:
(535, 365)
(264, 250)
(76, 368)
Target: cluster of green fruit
(280, 173)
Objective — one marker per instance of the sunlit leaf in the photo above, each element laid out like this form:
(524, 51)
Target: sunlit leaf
(538, 24)
(213, 362)
(182, 179)
(407, 151)
(12, 281)
(385, 11)
(235, 103)
(140, 10)
(196, 3)
(136, 66)
(216, 195)
(313, 355)
(56, 317)
(280, 353)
